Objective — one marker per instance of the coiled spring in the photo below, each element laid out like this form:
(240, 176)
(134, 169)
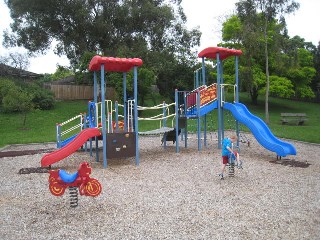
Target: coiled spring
(231, 170)
(73, 192)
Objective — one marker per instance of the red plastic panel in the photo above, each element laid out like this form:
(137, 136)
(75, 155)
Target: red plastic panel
(192, 96)
(112, 64)
(211, 52)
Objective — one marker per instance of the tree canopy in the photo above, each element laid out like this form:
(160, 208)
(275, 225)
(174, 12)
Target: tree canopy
(153, 30)
(114, 27)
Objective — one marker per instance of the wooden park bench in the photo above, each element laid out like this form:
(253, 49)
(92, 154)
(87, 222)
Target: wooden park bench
(298, 118)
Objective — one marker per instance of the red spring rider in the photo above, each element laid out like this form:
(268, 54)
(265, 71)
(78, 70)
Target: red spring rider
(59, 180)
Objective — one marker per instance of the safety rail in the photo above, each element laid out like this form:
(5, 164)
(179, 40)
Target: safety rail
(162, 117)
(108, 109)
(77, 124)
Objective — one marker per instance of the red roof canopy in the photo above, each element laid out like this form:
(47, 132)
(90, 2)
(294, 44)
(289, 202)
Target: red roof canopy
(112, 64)
(211, 52)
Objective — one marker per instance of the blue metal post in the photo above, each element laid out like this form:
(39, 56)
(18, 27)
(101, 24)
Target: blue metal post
(197, 78)
(237, 95)
(95, 99)
(164, 122)
(237, 78)
(205, 130)
(219, 100)
(95, 87)
(222, 99)
(103, 113)
(124, 84)
(135, 93)
(205, 116)
(198, 120)
(58, 137)
(84, 123)
(176, 108)
(117, 115)
(203, 71)
(186, 126)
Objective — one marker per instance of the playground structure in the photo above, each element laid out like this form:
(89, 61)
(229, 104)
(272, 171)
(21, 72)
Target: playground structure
(119, 133)
(199, 102)
(119, 136)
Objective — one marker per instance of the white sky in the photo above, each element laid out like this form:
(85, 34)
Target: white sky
(203, 13)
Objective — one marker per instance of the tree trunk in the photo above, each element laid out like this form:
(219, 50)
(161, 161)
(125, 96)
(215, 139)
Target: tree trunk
(24, 119)
(254, 96)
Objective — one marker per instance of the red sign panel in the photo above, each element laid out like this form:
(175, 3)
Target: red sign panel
(207, 95)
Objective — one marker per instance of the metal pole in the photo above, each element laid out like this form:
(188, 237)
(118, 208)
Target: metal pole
(222, 99)
(219, 100)
(198, 120)
(237, 78)
(95, 99)
(237, 95)
(125, 102)
(177, 118)
(135, 90)
(203, 71)
(58, 137)
(164, 122)
(186, 125)
(104, 132)
(95, 87)
(117, 115)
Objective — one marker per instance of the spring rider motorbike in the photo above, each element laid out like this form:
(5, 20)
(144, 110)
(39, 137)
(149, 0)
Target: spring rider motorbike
(59, 180)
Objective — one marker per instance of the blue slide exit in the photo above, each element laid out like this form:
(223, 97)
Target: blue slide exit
(260, 130)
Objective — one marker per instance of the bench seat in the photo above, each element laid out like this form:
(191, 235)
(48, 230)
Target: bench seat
(298, 118)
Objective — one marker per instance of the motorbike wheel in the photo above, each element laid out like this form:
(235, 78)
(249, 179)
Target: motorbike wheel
(56, 189)
(93, 188)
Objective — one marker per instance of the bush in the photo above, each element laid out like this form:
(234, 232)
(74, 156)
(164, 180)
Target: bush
(10, 93)
(42, 99)
(5, 86)
(17, 100)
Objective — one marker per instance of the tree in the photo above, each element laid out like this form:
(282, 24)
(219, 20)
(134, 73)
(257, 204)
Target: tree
(280, 87)
(316, 81)
(16, 60)
(153, 30)
(244, 32)
(5, 86)
(146, 79)
(270, 9)
(17, 100)
(123, 28)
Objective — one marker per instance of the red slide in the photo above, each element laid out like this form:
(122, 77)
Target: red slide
(70, 148)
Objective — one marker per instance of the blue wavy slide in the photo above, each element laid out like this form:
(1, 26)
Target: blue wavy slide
(260, 130)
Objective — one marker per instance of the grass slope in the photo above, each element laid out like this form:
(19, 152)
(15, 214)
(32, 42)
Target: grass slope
(41, 124)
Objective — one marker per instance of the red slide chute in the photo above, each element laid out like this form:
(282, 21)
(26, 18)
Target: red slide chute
(70, 148)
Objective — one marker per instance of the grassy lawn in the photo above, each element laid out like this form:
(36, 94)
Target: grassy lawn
(309, 132)
(41, 124)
